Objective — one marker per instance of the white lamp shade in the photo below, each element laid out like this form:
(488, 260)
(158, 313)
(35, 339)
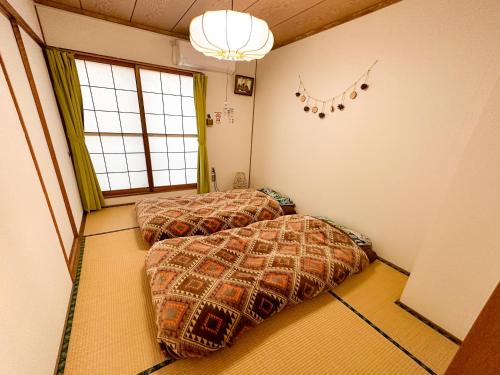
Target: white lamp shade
(230, 35)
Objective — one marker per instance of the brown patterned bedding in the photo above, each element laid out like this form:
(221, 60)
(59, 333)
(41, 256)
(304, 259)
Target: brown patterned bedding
(161, 218)
(209, 290)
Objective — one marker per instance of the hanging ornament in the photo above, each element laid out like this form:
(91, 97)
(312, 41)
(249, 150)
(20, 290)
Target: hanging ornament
(332, 107)
(307, 108)
(300, 89)
(303, 98)
(341, 106)
(353, 95)
(315, 108)
(322, 113)
(365, 85)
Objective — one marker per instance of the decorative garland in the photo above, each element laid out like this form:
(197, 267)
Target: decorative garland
(304, 96)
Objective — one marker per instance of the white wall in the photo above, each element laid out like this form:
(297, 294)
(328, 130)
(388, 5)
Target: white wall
(383, 164)
(397, 163)
(459, 265)
(228, 144)
(34, 281)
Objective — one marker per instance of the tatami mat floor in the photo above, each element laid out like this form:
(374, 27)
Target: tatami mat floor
(357, 329)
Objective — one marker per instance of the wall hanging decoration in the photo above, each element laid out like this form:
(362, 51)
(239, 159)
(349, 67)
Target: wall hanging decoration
(243, 85)
(218, 118)
(338, 102)
(228, 109)
(210, 120)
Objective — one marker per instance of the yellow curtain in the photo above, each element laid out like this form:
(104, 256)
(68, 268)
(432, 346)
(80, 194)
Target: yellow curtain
(66, 86)
(200, 94)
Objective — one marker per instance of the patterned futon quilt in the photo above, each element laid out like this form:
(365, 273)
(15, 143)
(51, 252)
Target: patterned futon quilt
(161, 218)
(209, 290)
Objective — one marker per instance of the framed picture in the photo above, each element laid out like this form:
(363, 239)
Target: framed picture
(243, 85)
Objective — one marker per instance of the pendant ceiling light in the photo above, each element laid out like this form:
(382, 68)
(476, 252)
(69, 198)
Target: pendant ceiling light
(230, 35)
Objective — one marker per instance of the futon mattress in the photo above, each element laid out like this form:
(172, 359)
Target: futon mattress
(203, 214)
(207, 291)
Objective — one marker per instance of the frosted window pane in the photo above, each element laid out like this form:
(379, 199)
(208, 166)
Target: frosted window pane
(89, 122)
(119, 181)
(82, 74)
(170, 84)
(138, 179)
(161, 178)
(191, 144)
(112, 144)
(191, 159)
(150, 81)
(116, 162)
(159, 161)
(169, 107)
(133, 143)
(153, 103)
(154, 123)
(124, 78)
(103, 182)
(186, 86)
(98, 163)
(108, 122)
(136, 162)
(127, 101)
(157, 144)
(192, 176)
(177, 177)
(176, 161)
(104, 99)
(87, 99)
(188, 106)
(173, 124)
(99, 74)
(175, 144)
(93, 144)
(190, 126)
(172, 104)
(131, 123)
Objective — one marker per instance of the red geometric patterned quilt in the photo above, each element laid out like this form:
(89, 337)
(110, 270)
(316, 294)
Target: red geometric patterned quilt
(208, 290)
(203, 214)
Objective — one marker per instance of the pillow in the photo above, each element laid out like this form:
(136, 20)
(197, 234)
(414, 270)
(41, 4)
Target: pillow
(362, 240)
(282, 200)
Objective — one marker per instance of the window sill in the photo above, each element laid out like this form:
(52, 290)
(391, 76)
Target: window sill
(141, 191)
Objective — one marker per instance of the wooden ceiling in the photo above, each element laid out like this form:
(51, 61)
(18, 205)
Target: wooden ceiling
(290, 20)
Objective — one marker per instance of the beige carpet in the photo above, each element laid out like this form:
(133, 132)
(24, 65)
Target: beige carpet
(113, 328)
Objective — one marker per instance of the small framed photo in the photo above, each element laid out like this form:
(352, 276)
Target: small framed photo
(243, 85)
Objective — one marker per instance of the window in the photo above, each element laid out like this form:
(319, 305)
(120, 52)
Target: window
(139, 141)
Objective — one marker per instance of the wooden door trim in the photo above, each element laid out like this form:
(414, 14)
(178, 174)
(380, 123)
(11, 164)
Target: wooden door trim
(35, 162)
(43, 121)
(11, 13)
